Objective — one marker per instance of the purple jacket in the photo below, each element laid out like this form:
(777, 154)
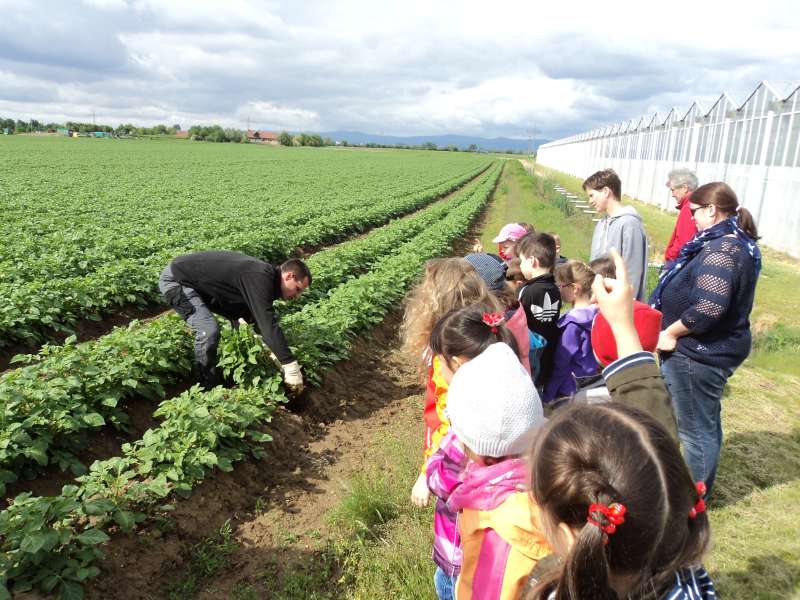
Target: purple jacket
(574, 356)
(445, 472)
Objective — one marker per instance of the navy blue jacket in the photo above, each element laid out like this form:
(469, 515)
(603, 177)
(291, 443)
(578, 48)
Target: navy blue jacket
(713, 296)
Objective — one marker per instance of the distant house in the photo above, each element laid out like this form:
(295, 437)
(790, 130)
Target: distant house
(182, 135)
(262, 137)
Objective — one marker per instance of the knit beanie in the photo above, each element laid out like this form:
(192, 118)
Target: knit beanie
(646, 320)
(492, 405)
(491, 270)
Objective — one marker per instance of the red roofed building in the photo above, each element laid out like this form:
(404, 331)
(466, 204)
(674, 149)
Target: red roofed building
(262, 137)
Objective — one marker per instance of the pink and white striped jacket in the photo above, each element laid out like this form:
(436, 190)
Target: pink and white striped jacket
(500, 533)
(445, 472)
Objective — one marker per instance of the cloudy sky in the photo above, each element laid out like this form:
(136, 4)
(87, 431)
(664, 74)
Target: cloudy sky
(402, 68)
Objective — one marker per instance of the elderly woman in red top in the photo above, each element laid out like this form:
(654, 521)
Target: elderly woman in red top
(681, 183)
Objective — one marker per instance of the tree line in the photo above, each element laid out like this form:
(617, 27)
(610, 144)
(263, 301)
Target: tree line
(212, 133)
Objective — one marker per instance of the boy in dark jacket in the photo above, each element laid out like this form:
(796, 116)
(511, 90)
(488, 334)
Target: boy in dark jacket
(540, 296)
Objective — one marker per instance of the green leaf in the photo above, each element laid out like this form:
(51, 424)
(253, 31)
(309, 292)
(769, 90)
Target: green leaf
(71, 590)
(96, 508)
(49, 583)
(33, 542)
(85, 573)
(92, 537)
(124, 519)
(38, 454)
(18, 358)
(4, 593)
(94, 419)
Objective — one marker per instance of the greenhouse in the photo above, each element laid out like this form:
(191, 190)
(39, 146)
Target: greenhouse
(754, 146)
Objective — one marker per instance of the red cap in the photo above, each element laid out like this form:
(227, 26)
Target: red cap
(647, 322)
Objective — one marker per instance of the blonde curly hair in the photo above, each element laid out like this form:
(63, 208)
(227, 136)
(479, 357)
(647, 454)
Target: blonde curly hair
(448, 284)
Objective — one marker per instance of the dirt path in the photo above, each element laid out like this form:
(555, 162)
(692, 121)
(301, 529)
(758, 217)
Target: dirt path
(284, 497)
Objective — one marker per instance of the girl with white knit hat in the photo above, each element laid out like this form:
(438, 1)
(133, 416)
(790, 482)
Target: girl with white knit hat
(494, 413)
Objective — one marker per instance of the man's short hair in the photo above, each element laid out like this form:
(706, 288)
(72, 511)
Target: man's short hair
(605, 178)
(540, 246)
(298, 268)
(679, 177)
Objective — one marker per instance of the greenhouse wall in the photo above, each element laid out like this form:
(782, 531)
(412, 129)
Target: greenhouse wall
(753, 146)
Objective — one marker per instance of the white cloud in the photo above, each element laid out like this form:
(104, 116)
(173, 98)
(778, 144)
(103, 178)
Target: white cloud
(278, 117)
(403, 68)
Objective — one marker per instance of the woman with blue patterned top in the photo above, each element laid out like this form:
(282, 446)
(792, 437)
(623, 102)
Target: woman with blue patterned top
(706, 299)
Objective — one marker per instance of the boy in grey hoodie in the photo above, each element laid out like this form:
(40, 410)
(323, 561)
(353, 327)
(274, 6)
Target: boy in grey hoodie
(621, 228)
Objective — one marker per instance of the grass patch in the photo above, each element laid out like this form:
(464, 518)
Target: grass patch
(370, 504)
(514, 203)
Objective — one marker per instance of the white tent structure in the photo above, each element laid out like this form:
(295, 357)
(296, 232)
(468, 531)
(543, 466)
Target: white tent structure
(753, 146)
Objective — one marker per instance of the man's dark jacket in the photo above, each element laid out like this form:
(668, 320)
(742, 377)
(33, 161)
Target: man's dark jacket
(237, 286)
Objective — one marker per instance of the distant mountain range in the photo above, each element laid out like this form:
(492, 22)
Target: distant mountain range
(461, 141)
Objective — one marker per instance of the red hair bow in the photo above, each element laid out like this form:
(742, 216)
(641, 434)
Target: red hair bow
(700, 505)
(493, 320)
(606, 518)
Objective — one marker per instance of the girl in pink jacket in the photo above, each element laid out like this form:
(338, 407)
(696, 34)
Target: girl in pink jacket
(478, 473)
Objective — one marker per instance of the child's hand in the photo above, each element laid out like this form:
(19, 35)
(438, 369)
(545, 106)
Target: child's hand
(614, 297)
(420, 492)
(477, 247)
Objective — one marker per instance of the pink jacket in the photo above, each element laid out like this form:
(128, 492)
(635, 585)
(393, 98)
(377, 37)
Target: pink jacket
(518, 325)
(500, 533)
(445, 472)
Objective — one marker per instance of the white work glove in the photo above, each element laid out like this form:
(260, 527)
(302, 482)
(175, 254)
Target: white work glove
(293, 376)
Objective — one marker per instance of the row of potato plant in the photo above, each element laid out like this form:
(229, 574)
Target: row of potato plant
(48, 407)
(32, 309)
(51, 543)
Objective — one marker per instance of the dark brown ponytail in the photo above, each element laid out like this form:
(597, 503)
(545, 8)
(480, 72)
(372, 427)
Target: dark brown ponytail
(722, 196)
(746, 223)
(606, 454)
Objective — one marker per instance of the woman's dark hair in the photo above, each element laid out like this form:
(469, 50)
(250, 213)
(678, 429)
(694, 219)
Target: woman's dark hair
(612, 453)
(462, 332)
(724, 198)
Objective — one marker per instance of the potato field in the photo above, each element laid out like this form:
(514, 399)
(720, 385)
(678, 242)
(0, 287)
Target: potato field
(86, 227)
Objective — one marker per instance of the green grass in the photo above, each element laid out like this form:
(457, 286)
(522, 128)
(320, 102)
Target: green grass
(385, 544)
(514, 203)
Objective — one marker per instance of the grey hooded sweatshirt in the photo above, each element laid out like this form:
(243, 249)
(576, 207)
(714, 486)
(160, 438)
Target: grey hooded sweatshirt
(625, 232)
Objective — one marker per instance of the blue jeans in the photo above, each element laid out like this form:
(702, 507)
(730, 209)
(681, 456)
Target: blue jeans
(696, 391)
(444, 584)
